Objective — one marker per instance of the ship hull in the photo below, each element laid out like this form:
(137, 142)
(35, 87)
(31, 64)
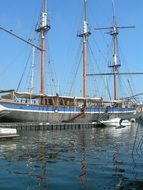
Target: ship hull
(47, 114)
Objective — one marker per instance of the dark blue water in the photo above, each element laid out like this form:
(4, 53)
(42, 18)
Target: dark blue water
(93, 159)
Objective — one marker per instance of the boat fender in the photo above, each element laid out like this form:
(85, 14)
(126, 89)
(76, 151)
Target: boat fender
(133, 120)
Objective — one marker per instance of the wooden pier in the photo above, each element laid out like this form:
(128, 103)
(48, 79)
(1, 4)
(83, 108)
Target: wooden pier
(46, 126)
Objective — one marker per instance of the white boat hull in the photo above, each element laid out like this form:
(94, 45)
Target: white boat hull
(58, 116)
(116, 122)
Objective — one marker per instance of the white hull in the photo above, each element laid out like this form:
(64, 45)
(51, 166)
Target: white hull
(116, 122)
(9, 114)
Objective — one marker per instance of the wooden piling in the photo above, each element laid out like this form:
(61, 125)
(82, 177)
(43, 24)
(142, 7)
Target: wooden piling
(44, 126)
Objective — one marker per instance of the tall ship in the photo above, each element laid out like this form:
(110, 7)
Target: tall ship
(29, 107)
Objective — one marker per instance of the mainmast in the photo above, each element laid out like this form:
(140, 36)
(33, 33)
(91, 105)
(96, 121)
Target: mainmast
(84, 36)
(43, 29)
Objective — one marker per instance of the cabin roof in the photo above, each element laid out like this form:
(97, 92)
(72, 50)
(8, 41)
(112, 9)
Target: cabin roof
(10, 94)
(27, 95)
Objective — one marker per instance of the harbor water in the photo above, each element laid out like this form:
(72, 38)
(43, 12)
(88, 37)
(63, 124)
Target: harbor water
(102, 158)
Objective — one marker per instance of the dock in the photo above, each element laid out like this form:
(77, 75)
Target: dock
(46, 126)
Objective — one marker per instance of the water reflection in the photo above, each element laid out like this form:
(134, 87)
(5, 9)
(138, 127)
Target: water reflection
(117, 164)
(99, 158)
(84, 171)
(43, 163)
(83, 150)
(7, 151)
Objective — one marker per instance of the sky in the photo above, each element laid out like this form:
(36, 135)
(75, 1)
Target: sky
(64, 48)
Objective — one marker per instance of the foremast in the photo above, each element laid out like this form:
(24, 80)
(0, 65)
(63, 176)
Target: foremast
(43, 29)
(84, 36)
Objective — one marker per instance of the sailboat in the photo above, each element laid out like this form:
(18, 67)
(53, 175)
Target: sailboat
(30, 107)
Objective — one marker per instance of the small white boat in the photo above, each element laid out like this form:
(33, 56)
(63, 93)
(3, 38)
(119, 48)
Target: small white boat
(116, 122)
(8, 133)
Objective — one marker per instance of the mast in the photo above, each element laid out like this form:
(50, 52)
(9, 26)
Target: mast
(43, 29)
(84, 36)
(114, 33)
(115, 65)
(32, 70)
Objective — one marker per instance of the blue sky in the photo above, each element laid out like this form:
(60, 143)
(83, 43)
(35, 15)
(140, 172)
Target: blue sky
(64, 49)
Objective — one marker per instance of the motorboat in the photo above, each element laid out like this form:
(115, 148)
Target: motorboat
(116, 122)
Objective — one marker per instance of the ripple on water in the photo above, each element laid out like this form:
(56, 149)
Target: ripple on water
(102, 159)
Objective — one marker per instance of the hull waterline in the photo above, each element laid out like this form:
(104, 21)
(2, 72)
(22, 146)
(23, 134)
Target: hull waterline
(26, 113)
